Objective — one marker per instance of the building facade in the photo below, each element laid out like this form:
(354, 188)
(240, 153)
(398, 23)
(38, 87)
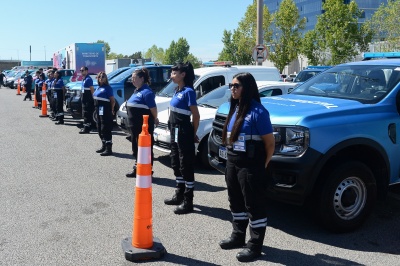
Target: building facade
(310, 9)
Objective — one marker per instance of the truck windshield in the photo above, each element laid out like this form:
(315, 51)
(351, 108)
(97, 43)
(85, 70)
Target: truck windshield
(364, 83)
(169, 89)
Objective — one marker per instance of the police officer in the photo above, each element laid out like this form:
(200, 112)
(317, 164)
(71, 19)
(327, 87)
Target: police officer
(87, 101)
(35, 90)
(104, 103)
(28, 85)
(248, 136)
(58, 95)
(49, 91)
(39, 89)
(142, 102)
(183, 136)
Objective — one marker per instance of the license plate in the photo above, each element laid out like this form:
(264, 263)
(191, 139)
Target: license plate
(222, 153)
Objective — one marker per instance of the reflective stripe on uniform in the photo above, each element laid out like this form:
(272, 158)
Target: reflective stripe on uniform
(240, 216)
(101, 99)
(180, 111)
(258, 223)
(137, 105)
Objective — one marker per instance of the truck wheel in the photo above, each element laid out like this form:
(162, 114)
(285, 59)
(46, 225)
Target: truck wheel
(347, 197)
(203, 154)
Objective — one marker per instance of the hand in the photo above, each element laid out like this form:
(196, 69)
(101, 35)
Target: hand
(196, 139)
(156, 121)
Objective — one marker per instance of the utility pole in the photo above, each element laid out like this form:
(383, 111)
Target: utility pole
(30, 53)
(259, 40)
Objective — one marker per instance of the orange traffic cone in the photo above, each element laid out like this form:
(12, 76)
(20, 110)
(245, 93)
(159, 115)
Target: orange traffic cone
(19, 88)
(44, 102)
(142, 245)
(35, 103)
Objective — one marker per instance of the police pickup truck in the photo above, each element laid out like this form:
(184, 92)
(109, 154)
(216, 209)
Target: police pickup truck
(336, 140)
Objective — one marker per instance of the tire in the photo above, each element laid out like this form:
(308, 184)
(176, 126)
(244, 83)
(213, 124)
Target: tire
(203, 154)
(347, 197)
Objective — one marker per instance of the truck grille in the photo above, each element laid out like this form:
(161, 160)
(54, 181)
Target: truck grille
(218, 125)
(163, 125)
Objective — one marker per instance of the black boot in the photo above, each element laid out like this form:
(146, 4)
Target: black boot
(103, 147)
(238, 236)
(177, 198)
(60, 122)
(132, 173)
(187, 204)
(108, 150)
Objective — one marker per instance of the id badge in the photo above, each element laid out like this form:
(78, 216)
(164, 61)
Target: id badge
(176, 132)
(240, 144)
(55, 95)
(100, 110)
(83, 89)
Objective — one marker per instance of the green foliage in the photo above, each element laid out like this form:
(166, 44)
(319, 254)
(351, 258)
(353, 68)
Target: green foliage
(107, 47)
(337, 36)
(156, 54)
(238, 46)
(286, 39)
(384, 26)
(177, 51)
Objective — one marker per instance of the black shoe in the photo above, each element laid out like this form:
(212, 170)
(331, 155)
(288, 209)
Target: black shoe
(106, 153)
(247, 255)
(184, 208)
(175, 200)
(132, 173)
(60, 122)
(102, 149)
(84, 131)
(24, 99)
(231, 243)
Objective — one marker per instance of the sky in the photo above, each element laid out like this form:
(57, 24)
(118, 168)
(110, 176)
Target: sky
(128, 26)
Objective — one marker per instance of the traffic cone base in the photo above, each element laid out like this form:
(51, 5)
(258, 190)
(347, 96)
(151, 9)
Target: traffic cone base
(134, 254)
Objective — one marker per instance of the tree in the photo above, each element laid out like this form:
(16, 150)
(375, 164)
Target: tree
(337, 35)
(286, 40)
(177, 51)
(238, 46)
(156, 54)
(137, 55)
(107, 47)
(384, 26)
(114, 56)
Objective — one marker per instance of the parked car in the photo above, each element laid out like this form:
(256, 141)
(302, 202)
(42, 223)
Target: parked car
(336, 141)
(309, 72)
(208, 105)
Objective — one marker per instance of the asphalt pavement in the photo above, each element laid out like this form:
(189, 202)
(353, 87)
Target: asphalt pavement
(63, 204)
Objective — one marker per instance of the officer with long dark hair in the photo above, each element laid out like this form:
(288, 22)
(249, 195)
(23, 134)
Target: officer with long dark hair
(183, 106)
(58, 96)
(104, 103)
(248, 136)
(142, 102)
(87, 101)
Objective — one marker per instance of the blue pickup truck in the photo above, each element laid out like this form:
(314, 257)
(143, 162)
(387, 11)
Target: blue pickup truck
(336, 141)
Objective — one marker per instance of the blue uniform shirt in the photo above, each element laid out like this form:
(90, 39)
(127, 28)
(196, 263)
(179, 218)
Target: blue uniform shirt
(87, 82)
(256, 123)
(180, 106)
(103, 93)
(58, 84)
(144, 97)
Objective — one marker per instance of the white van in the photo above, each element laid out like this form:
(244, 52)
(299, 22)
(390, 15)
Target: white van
(209, 78)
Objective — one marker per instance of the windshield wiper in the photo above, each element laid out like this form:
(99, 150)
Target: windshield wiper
(207, 105)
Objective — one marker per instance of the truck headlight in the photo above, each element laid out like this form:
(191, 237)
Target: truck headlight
(291, 140)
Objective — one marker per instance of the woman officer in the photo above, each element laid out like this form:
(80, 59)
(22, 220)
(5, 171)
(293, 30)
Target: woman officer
(104, 103)
(58, 95)
(248, 135)
(142, 102)
(183, 136)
